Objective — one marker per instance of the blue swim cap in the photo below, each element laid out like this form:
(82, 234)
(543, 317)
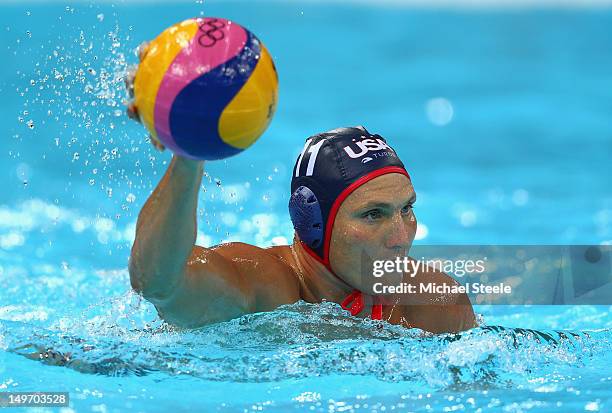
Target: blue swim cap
(332, 165)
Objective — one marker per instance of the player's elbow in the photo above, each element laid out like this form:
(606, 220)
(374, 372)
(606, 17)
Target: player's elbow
(143, 281)
(183, 313)
(136, 278)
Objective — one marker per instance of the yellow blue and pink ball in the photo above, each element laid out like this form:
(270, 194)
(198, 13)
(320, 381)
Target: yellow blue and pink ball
(206, 88)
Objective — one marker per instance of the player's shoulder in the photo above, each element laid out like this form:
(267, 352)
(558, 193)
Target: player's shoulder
(427, 272)
(445, 312)
(241, 250)
(269, 266)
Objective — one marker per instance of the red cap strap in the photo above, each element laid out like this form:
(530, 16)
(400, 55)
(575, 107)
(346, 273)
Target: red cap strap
(354, 304)
(377, 312)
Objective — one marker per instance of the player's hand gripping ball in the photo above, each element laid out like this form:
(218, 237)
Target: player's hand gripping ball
(206, 88)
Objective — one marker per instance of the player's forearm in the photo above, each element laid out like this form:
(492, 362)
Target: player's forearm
(166, 230)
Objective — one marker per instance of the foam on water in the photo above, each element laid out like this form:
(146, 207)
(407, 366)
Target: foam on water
(123, 337)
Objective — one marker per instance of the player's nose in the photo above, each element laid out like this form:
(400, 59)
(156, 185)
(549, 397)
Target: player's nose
(398, 236)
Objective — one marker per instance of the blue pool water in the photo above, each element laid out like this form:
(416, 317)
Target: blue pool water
(501, 117)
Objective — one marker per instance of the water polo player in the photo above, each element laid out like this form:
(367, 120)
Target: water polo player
(341, 208)
(350, 204)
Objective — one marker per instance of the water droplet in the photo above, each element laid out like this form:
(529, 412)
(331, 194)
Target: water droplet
(30, 124)
(92, 182)
(100, 17)
(131, 197)
(75, 156)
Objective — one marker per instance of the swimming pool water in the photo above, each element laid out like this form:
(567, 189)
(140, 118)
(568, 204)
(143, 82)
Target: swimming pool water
(501, 117)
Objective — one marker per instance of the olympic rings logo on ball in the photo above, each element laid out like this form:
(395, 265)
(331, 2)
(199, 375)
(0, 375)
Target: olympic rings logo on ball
(225, 73)
(211, 35)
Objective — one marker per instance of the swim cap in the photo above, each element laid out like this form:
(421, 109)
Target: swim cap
(332, 165)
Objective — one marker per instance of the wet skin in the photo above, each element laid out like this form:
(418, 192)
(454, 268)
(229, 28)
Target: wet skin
(192, 286)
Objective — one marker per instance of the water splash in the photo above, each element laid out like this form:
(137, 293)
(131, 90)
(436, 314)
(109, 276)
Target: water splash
(124, 337)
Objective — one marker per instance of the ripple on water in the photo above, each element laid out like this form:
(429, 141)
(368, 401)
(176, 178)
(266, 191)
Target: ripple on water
(122, 336)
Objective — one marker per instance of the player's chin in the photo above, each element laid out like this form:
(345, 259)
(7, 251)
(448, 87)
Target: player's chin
(376, 285)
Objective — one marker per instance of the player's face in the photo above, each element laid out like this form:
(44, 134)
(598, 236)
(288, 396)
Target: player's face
(375, 222)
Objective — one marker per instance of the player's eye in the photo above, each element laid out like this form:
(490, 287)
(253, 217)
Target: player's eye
(372, 215)
(407, 209)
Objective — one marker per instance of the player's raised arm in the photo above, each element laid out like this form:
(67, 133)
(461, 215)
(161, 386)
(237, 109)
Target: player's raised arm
(206, 89)
(166, 231)
(188, 284)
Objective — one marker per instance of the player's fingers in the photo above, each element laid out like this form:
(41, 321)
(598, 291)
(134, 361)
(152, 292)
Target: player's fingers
(132, 112)
(141, 50)
(157, 144)
(130, 76)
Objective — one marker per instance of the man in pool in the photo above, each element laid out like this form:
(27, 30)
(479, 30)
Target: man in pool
(351, 204)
